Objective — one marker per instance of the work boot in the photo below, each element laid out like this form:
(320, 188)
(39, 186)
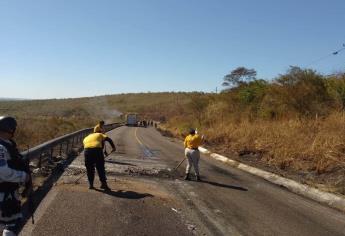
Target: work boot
(198, 178)
(91, 187)
(187, 177)
(105, 186)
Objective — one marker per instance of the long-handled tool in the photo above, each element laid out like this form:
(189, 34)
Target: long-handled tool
(179, 164)
(105, 152)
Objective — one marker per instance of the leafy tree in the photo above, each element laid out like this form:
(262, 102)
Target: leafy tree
(336, 89)
(198, 104)
(253, 92)
(240, 75)
(304, 90)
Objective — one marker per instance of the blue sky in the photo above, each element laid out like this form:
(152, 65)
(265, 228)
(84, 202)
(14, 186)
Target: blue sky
(70, 48)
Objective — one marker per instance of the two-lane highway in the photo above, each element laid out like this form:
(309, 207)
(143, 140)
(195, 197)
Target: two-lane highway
(149, 198)
(231, 201)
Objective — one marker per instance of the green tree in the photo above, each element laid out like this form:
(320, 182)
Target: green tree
(198, 104)
(238, 76)
(253, 92)
(304, 90)
(336, 89)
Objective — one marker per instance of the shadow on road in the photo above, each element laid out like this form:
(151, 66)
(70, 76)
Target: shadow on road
(224, 185)
(125, 194)
(119, 163)
(119, 152)
(223, 171)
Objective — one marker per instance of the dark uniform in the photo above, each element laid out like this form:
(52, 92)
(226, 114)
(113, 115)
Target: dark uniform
(94, 157)
(12, 174)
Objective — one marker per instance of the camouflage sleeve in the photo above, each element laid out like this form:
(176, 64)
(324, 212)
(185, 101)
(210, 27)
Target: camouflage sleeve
(8, 174)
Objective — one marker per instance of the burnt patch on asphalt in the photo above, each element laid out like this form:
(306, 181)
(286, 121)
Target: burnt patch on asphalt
(137, 171)
(147, 152)
(126, 170)
(119, 163)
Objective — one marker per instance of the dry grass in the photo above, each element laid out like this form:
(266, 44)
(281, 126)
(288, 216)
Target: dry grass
(302, 144)
(311, 150)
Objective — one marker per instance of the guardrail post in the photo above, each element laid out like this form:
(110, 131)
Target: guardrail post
(60, 150)
(67, 144)
(40, 160)
(51, 153)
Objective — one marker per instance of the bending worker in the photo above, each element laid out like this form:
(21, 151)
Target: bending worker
(100, 126)
(12, 174)
(191, 144)
(93, 153)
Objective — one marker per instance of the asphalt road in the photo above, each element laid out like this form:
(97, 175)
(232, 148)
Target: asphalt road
(149, 198)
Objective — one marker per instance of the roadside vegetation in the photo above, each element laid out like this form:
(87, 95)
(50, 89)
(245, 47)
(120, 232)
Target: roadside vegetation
(293, 125)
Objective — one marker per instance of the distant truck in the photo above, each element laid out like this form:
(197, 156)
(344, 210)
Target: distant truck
(132, 119)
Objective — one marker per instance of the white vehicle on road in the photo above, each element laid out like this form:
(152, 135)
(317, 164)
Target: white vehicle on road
(132, 119)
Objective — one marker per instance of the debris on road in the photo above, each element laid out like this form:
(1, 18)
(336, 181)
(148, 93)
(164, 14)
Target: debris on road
(175, 210)
(191, 227)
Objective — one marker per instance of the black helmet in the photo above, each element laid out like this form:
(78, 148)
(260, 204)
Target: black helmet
(191, 131)
(8, 124)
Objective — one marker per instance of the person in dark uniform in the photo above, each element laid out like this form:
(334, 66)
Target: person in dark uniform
(12, 174)
(94, 157)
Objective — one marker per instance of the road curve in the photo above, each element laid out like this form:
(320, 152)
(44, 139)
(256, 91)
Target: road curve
(227, 201)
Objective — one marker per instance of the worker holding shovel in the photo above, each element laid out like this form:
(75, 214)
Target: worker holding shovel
(191, 144)
(94, 157)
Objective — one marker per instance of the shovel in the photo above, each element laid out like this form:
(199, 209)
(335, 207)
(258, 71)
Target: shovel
(179, 164)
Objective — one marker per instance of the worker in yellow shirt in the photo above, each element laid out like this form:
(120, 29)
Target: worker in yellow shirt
(191, 144)
(94, 157)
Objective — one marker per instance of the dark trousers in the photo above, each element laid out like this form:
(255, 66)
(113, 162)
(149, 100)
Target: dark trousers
(94, 157)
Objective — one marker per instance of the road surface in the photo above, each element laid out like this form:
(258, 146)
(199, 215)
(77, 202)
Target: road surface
(149, 198)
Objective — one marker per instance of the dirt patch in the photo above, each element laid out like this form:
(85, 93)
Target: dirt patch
(137, 171)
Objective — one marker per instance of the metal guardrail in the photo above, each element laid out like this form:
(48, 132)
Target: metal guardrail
(60, 146)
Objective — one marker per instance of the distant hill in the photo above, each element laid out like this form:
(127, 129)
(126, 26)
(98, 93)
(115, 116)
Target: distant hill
(106, 107)
(11, 99)
(41, 120)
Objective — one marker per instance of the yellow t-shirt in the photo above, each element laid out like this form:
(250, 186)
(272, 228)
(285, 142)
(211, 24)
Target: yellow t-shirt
(94, 140)
(192, 141)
